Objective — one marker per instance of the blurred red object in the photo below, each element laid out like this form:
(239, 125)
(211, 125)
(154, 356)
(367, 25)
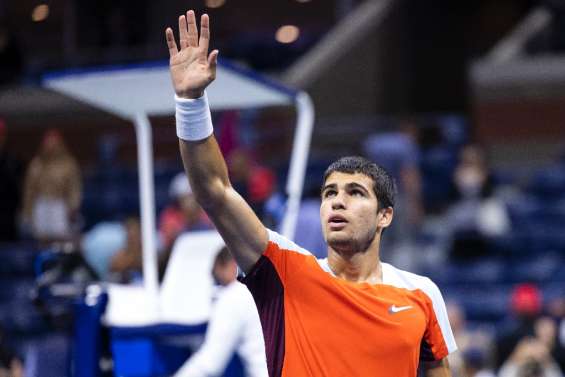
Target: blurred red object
(526, 299)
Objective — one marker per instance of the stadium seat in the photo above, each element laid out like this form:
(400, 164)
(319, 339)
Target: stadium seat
(48, 356)
(539, 268)
(549, 183)
(481, 302)
(437, 165)
(483, 271)
(17, 259)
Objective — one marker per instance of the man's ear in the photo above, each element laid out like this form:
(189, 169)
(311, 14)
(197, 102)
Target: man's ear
(384, 217)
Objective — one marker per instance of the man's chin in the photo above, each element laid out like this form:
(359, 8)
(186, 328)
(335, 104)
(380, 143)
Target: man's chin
(339, 240)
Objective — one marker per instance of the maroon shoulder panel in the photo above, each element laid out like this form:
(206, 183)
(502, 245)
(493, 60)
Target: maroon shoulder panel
(268, 292)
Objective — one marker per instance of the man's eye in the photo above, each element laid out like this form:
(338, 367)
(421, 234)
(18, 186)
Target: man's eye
(357, 193)
(329, 193)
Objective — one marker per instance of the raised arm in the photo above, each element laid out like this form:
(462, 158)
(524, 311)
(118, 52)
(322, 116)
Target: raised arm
(192, 70)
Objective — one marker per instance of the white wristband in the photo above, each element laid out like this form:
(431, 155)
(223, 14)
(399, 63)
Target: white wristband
(194, 121)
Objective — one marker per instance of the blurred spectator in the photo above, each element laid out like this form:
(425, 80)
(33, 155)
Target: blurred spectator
(556, 309)
(474, 346)
(234, 327)
(526, 306)
(52, 191)
(10, 176)
(183, 214)
(475, 364)
(10, 364)
(398, 153)
(11, 63)
(254, 182)
(101, 243)
(477, 214)
(531, 358)
(126, 264)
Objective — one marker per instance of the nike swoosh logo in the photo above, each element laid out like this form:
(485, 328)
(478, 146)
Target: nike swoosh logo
(395, 309)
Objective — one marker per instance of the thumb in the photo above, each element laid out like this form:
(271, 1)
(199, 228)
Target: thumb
(213, 59)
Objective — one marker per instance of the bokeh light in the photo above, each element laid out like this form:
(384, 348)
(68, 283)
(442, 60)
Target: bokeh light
(214, 3)
(40, 13)
(287, 34)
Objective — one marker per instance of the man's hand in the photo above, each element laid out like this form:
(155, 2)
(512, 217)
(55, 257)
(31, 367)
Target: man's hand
(192, 69)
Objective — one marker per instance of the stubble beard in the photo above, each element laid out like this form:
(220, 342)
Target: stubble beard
(348, 244)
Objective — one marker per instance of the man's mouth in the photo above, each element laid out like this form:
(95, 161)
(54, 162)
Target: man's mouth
(337, 220)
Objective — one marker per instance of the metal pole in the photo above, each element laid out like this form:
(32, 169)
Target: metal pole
(298, 162)
(147, 205)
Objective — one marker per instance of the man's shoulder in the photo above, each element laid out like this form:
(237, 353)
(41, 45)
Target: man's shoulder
(408, 280)
(285, 244)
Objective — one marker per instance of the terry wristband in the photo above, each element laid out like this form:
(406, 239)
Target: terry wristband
(194, 121)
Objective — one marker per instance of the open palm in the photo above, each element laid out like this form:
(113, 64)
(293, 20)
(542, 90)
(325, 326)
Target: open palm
(192, 69)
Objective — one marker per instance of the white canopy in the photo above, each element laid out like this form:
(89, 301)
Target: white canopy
(147, 88)
(135, 92)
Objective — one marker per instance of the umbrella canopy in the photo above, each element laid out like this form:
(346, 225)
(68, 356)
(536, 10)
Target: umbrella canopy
(127, 91)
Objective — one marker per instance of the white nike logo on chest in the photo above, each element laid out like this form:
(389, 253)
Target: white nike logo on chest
(395, 309)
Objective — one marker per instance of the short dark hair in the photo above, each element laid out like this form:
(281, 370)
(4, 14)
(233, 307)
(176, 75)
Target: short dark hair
(383, 183)
(223, 257)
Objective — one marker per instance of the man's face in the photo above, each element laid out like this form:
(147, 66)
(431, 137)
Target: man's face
(225, 273)
(349, 212)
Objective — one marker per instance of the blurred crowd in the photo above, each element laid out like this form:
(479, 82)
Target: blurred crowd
(529, 343)
(463, 213)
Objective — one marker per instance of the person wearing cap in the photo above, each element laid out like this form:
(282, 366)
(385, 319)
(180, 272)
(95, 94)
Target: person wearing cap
(183, 214)
(525, 307)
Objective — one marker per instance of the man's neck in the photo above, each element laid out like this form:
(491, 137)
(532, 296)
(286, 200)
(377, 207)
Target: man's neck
(359, 267)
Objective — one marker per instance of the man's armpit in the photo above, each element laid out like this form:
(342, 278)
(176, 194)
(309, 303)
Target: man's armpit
(436, 368)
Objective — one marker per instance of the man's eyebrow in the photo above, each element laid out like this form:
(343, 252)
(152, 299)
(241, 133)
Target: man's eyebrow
(331, 185)
(357, 185)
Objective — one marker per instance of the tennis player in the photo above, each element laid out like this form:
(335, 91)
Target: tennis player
(347, 315)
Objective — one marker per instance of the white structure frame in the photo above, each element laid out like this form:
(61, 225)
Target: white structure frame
(136, 92)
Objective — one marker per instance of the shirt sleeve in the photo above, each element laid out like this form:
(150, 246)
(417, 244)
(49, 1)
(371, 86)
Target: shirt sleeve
(438, 336)
(286, 257)
(222, 337)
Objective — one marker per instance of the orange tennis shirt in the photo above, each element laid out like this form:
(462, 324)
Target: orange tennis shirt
(318, 325)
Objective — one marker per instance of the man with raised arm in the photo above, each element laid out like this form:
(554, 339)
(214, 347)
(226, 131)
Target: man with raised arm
(347, 315)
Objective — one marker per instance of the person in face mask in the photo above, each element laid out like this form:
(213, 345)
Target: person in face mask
(472, 178)
(477, 214)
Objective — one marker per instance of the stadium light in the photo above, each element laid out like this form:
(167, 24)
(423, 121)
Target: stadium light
(214, 3)
(40, 13)
(287, 34)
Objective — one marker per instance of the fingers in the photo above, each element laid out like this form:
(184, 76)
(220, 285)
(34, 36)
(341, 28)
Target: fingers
(213, 60)
(192, 29)
(171, 44)
(204, 34)
(188, 33)
(183, 33)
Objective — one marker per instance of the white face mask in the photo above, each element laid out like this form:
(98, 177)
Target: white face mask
(469, 181)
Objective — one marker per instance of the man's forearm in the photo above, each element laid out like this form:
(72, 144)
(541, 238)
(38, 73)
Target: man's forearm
(206, 169)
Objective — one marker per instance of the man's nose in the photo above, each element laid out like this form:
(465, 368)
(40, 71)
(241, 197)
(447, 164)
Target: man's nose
(338, 201)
